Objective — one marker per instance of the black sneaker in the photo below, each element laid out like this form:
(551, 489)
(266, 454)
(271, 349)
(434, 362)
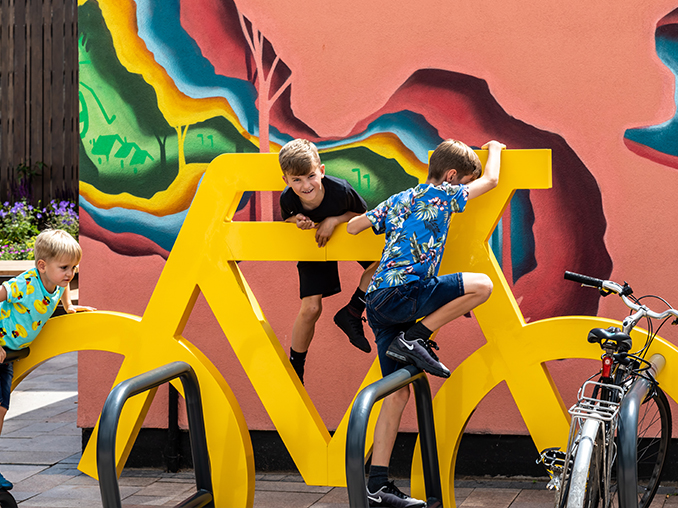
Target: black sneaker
(418, 352)
(390, 495)
(352, 326)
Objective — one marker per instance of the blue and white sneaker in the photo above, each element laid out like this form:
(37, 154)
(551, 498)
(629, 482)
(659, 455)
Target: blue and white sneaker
(418, 352)
(5, 483)
(389, 495)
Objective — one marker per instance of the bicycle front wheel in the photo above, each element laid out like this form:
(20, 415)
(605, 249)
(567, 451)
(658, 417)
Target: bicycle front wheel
(653, 437)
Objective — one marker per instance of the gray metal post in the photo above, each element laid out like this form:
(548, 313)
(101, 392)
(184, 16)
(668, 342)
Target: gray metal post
(108, 426)
(357, 431)
(627, 435)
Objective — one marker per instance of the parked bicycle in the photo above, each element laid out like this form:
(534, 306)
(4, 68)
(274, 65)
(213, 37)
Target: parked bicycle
(621, 423)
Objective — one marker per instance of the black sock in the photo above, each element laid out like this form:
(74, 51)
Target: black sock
(357, 302)
(298, 360)
(378, 478)
(418, 331)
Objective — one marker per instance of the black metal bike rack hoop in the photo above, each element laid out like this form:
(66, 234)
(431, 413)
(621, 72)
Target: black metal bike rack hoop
(357, 432)
(108, 426)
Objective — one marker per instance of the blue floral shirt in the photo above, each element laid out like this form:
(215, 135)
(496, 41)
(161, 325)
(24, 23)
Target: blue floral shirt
(415, 223)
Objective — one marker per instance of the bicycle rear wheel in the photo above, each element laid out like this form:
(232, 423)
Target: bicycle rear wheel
(583, 484)
(654, 434)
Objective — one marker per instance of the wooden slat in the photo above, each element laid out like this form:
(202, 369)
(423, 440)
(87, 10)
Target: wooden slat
(47, 88)
(70, 104)
(6, 62)
(34, 128)
(58, 114)
(18, 138)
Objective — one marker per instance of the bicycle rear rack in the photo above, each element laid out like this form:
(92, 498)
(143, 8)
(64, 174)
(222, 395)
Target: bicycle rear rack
(590, 407)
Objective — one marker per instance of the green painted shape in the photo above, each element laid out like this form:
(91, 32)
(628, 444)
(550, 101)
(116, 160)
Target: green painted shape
(385, 176)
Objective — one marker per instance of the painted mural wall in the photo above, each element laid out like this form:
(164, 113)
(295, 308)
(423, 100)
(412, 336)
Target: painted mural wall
(167, 85)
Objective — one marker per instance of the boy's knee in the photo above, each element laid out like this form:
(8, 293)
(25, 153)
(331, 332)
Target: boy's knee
(399, 398)
(310, 311)
(478, 283)
(486, 286)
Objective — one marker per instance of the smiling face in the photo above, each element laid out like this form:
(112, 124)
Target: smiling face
(56, 272)
(308, 187)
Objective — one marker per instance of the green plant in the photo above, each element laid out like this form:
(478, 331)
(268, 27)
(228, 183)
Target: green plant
(61, 215)
(20, 223)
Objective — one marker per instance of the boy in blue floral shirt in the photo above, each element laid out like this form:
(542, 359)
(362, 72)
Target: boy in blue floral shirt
(406, 286)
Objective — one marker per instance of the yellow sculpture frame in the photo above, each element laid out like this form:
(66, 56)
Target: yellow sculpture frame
(515, 351)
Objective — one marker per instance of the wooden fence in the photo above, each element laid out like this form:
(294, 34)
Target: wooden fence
(38, 88)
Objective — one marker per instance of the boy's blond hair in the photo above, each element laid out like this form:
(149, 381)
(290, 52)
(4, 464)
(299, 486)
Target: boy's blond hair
(453, 154)
(298, 157)
(56, 244)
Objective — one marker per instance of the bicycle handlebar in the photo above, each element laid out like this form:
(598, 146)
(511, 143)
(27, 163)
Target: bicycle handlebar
(584, 279)
(609, 286)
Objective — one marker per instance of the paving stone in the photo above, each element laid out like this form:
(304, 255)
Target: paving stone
(166, 489)
(335, 497)
(283, 486)
(16, 473)
(490, 498)
(530, 498)
(267, 499)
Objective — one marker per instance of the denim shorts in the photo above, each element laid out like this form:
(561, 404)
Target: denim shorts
(395, 309)
(6, 376)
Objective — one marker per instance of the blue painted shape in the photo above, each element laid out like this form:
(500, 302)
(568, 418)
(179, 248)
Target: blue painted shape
(662, 137)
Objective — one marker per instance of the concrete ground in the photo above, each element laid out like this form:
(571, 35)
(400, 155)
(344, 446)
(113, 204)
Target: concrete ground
(40, 449)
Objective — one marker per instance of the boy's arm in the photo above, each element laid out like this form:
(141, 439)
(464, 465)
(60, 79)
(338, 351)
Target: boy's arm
(490, 177)
(358, 224)
(326, 227)
(68, 305)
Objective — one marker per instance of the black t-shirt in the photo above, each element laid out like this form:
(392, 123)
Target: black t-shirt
(339, 198)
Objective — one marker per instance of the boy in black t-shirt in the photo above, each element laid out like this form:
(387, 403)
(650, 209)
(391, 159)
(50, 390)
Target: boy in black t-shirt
(314, 200)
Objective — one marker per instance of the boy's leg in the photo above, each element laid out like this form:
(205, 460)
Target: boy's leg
(380, 491)
(303, 330)
(450, 298)
(477, 289)
(349, 318)
(6, 375)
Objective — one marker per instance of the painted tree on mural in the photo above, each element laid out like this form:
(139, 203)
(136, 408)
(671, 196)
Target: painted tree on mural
(270, 75)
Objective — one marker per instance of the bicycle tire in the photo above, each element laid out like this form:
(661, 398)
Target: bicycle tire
(582, 486)
(7, 500)
(654, 435)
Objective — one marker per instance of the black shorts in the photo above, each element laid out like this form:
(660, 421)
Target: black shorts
(320, 277)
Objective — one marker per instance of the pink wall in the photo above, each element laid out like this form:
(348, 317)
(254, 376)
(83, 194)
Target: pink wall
(584, 70)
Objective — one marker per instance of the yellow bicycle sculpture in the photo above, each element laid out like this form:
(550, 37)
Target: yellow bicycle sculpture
(515, 352)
